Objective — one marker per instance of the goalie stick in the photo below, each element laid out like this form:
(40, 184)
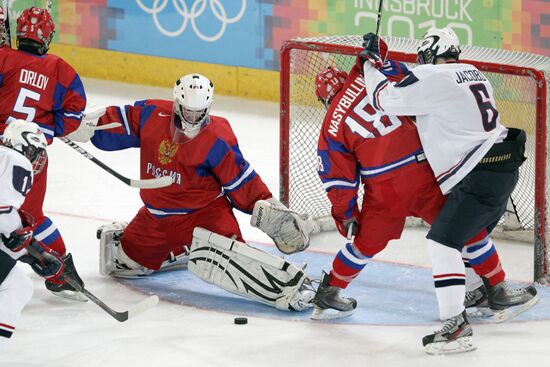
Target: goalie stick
(133, 311)
(151, 183)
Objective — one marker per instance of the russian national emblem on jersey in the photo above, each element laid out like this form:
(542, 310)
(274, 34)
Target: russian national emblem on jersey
(167, 151)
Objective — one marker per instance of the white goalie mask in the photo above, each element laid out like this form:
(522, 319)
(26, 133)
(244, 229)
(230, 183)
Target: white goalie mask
(27, 138)
(193, 96)
(438, 43)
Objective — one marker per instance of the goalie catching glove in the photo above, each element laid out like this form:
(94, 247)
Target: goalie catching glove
(289, 230)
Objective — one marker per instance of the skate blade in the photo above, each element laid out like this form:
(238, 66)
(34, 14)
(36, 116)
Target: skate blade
(460, 345)
(329, 314)
(71, 295)
(510, 312)
(479, 312)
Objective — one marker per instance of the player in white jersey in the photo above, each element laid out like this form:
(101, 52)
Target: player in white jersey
(475, 160)
(22, 143)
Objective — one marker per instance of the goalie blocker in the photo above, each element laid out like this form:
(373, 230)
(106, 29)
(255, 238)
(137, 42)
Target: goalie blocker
(248, 272)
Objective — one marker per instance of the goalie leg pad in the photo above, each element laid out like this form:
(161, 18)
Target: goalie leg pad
(289, 230)
(113, 261)
(248, 272)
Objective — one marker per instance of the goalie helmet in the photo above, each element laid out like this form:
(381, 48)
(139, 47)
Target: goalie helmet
(438, 43)
(328, 83)
(35, 28)
(193, 96)
(27, 138)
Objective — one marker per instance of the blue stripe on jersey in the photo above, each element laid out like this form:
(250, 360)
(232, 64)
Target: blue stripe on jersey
(324, 166)
(246, 175)
(373, 171)
(109, 141)
(380, 85)
(406, 81)
(5, 209)
(216, 154)
(336, 146)
(239, 158)
(144, 115)
(1, 79)
(77, 87)
(351, 206)
(58, 97)
(445, 176)
(393, 68)
(166, 212)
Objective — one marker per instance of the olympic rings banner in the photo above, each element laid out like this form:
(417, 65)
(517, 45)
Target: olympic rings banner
(249, 33)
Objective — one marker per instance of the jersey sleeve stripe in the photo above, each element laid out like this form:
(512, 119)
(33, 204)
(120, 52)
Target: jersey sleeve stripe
(240, 180)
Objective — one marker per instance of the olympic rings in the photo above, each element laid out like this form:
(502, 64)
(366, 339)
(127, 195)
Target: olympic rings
(197, 9)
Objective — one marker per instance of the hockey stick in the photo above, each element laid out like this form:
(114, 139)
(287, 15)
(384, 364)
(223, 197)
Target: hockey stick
(133, 311)
(378, 20)
(150, 183)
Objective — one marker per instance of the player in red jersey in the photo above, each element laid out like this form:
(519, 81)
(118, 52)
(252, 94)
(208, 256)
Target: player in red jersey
(181, 139)
(40, 87)
(385, 153)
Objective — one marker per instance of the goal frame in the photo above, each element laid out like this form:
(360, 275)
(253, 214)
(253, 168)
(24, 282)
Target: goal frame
(541, 150)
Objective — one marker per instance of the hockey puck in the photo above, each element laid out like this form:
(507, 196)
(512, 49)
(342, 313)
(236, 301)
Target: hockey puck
(240, 320)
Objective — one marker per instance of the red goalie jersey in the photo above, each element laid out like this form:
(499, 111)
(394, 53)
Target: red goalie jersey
(203, 169)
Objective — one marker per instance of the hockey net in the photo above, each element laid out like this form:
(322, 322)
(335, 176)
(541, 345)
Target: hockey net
(520, 82)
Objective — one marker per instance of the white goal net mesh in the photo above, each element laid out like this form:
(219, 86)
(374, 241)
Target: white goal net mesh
(521, 92)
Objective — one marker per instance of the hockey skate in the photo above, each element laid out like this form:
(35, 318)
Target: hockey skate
(454, 337)
(507, 302)
(328, 304)
(65, 290)
(476, 303)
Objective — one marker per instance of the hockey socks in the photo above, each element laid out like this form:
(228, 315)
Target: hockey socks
(449, 279)
(483, 258)
(347, 264)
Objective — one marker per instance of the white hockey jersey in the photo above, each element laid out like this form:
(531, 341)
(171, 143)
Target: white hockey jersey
(455, 111)
(15, 182)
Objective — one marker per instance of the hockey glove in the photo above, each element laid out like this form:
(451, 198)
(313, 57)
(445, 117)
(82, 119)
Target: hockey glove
(344, 226)
(44, 261)
(371, 50)
(88, 126)
(20, 238)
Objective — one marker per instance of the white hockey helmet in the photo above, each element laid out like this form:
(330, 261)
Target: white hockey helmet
(27, 138)
(438, 42)
(193, 96)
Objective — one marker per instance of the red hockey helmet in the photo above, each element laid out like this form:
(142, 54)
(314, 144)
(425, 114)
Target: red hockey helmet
(328, 83)
(36, 24)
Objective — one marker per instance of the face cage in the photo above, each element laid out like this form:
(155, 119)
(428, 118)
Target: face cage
(38, 158)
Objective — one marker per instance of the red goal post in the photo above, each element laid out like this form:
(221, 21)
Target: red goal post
(520, 82)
